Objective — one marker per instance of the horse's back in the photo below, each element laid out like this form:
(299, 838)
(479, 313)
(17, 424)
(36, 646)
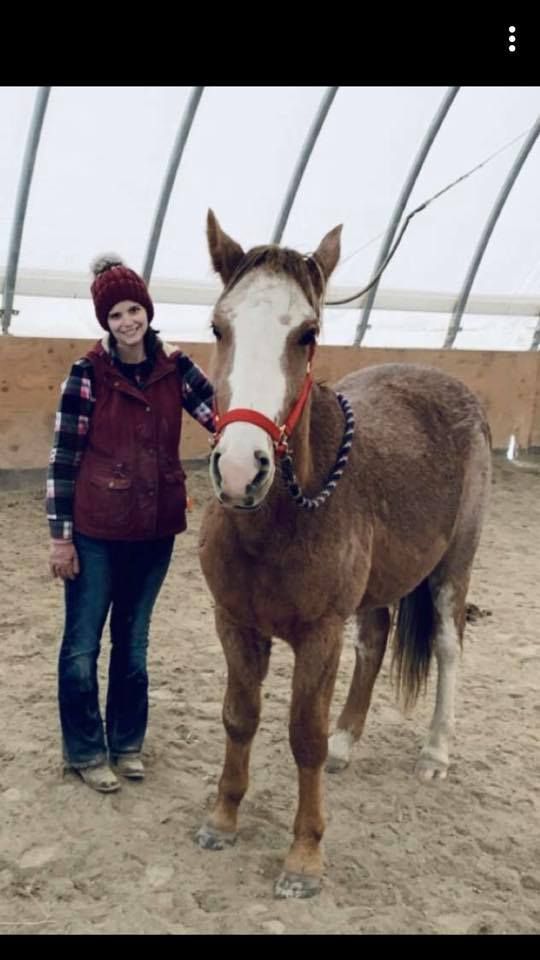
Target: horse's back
(410, 403)
(421, 447)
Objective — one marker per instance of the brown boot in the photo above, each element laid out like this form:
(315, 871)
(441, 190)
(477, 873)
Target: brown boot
(99, 778)
(130, 765)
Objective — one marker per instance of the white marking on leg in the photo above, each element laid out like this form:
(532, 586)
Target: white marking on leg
(341, 742)
(361, 650)
(339, 747)
(433, 760)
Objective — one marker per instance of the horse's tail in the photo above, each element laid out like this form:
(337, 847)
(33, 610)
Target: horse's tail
(413, 643)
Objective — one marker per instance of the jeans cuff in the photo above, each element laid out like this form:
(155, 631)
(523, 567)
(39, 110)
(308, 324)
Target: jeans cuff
(85, 764)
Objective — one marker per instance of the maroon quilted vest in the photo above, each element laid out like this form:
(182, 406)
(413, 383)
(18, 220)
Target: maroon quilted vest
(130, 484)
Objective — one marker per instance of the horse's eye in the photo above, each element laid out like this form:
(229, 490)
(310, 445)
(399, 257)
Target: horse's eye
(307, 337)
(216, 332)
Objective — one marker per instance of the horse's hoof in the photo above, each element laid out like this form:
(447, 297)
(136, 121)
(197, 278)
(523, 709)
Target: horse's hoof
(431, 767)
(336, 764)
(211, 839)
(297, 885)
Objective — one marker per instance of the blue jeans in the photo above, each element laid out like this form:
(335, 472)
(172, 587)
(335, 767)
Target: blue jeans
(125, 577)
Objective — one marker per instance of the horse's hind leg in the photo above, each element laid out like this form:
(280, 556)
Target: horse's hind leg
(449, 583)
(248, 655)
(449, 595)
(373, 627)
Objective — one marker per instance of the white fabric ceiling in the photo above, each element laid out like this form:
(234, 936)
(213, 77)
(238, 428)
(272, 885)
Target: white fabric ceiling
(104, 151)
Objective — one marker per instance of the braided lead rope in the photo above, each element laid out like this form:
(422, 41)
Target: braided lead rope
(289, 476)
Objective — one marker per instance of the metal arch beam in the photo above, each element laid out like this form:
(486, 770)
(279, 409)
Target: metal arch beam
(406, 191)
(170, 177)
(302, 162)
(454, 325)
(23, 190)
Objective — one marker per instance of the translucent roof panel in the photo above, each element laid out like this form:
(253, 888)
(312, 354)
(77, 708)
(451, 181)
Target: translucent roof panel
(104, 153)
(364, 155)
(238, 161)
(100, 162)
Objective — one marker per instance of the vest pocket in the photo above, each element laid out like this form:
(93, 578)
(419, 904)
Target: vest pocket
(112, 498)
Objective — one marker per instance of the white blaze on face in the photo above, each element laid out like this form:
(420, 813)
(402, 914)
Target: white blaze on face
(262, 310)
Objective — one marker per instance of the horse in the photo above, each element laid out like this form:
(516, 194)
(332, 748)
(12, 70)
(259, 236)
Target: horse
(364, 500)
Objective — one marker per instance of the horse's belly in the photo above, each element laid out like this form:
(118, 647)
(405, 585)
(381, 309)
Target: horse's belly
(398, 565)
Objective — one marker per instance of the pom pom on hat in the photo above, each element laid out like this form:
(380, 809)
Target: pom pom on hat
(104, 262)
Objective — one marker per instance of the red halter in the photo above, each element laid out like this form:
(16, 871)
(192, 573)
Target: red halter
(280, 435)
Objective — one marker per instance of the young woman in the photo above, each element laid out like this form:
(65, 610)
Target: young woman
(116, 499)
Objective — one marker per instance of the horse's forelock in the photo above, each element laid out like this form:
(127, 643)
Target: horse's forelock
(304, 270)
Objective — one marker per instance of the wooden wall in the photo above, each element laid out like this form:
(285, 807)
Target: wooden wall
(31, 370)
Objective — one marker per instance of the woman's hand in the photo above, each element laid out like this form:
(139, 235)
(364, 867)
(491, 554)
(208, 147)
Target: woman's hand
(63, 559)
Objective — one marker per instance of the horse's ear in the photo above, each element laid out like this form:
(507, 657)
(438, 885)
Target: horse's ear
(225, 252)
(329, 249)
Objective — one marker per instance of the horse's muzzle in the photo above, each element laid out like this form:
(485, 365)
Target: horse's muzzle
(239, 488)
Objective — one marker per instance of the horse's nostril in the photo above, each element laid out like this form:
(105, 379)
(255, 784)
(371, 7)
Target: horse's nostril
(263, 459)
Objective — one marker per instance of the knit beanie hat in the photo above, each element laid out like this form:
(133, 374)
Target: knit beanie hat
(115, 282)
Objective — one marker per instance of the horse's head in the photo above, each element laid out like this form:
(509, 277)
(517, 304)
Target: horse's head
(266, 323)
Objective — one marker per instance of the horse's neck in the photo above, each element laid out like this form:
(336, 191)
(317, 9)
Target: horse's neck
(300, 446)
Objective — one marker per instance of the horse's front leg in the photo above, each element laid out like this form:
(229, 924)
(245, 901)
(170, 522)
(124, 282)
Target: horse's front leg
(248, 654)
(317, 654)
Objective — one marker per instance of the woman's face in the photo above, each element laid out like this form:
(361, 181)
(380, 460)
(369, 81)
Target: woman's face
(128, 321)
